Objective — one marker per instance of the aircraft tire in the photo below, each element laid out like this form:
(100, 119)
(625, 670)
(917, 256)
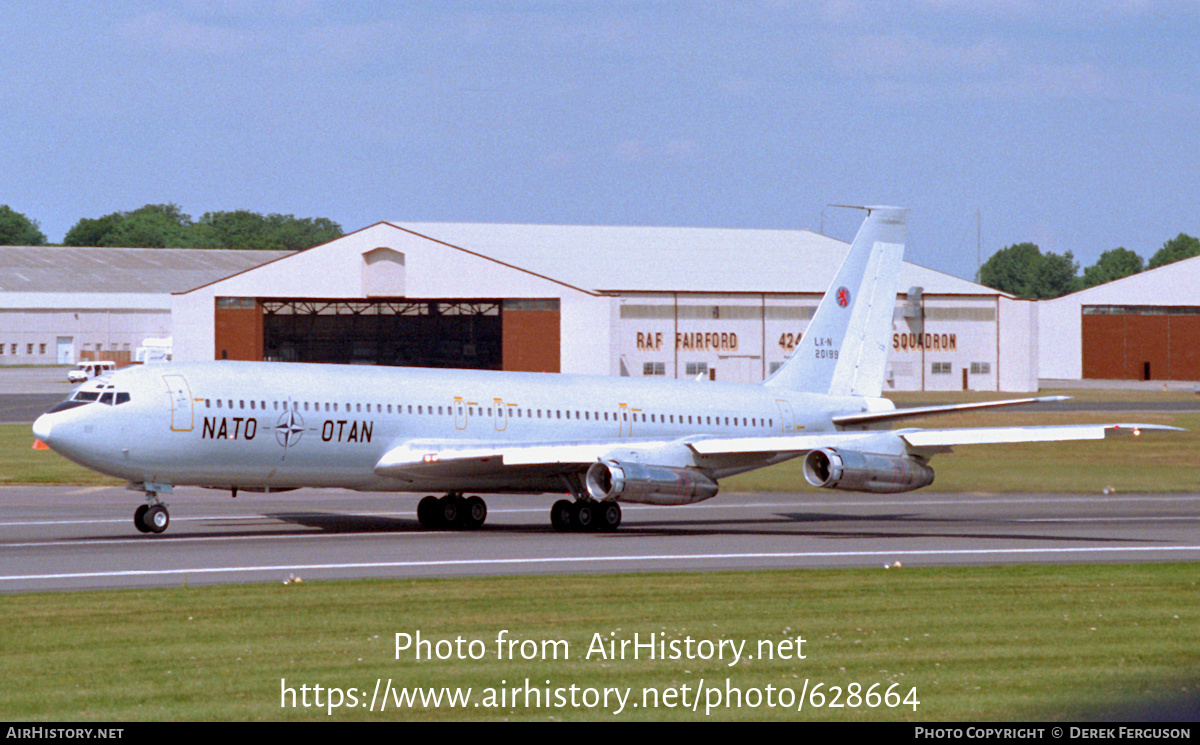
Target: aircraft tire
(474, 513)
(157, 518)
(562, 516)
(427, 510)
(450, 512)
(139, 519)
(584, 517)
(609, 516)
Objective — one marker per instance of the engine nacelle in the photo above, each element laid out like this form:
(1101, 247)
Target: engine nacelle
(635, 482)
(833, 468)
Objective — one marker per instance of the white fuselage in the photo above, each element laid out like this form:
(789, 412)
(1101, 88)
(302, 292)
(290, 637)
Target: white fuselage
(263, 425)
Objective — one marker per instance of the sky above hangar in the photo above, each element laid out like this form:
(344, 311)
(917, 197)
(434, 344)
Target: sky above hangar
(1075, 125)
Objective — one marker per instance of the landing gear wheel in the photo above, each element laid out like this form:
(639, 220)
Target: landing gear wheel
(562, 516)
(450, 511)
(156, 519)
(475, 513)
(427, 511)
(609, 517)
(585, 516)
(139, 519)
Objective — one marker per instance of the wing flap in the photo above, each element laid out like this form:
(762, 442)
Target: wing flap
(420, 459)
(783, 443)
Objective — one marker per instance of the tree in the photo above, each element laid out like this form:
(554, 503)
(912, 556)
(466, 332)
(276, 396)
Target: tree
(1023, 270)
(91, 232)
(152, 226)
(1113, 264)
(166, 226)
(18, 230)
(245, 229)
(1182, 246)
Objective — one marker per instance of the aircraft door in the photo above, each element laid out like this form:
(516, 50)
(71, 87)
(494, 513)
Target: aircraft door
(181, 403)
(785, 415)
(624, 424)
(501, 415)
(460, 413)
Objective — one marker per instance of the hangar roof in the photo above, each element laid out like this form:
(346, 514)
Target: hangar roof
(656, 259)
(121, 270)
(1168, 285)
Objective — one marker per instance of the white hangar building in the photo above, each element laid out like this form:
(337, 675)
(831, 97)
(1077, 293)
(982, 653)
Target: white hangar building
(674, 302)
(1142, 327)
(63, 305)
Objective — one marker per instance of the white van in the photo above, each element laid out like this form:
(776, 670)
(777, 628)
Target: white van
(85, 371)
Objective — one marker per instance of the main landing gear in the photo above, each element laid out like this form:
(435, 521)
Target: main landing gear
(452, 512)
(585, 516)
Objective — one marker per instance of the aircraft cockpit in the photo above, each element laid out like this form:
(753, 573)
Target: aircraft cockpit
(94, 391)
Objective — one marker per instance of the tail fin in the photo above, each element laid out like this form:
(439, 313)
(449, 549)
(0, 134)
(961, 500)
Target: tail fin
(844, 349)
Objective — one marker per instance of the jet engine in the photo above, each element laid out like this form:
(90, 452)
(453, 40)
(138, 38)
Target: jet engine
(635, 482)
(834, 468)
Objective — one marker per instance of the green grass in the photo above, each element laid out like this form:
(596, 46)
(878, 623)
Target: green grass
(21, 464)
(984, 643)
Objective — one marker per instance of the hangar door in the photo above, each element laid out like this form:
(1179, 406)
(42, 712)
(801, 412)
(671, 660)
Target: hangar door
(471, 334)
(1141, 342)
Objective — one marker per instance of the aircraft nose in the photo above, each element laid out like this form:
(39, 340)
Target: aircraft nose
(42, 428)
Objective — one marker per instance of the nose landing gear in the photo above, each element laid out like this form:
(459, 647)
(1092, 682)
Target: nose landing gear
(153, 516)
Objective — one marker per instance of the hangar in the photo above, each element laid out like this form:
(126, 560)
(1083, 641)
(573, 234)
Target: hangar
(725, 304)
(63, 305)
(1142, 327)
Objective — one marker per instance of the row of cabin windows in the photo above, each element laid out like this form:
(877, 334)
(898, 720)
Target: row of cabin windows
(423, 410)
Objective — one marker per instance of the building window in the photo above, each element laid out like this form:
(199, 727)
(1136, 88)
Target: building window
(41, 348)
(943, 368)
(654, 368)
(981, 368)
(28, 349)
(696, 368)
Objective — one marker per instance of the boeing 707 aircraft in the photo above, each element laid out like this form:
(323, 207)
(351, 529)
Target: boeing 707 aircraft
(605, 441)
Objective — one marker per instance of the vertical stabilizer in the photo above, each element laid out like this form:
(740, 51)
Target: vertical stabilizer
(844, 349)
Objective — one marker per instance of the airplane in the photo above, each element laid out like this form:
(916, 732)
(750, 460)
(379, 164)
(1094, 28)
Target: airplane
(604, 441)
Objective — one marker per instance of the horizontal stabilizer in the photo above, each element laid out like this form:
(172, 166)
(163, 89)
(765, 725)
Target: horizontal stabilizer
(869, 417)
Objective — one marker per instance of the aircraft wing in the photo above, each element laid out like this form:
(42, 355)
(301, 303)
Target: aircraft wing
(921, 439)
(419, 459)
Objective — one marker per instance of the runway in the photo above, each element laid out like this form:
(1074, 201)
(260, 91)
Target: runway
(66, 538)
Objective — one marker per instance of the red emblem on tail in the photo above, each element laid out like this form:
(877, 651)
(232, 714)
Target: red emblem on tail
(843, 297)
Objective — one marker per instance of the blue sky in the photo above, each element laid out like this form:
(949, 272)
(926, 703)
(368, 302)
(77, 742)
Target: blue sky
(1075, 125)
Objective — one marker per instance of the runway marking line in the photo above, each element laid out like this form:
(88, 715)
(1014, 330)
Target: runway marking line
(568, 560)
(641, 507)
